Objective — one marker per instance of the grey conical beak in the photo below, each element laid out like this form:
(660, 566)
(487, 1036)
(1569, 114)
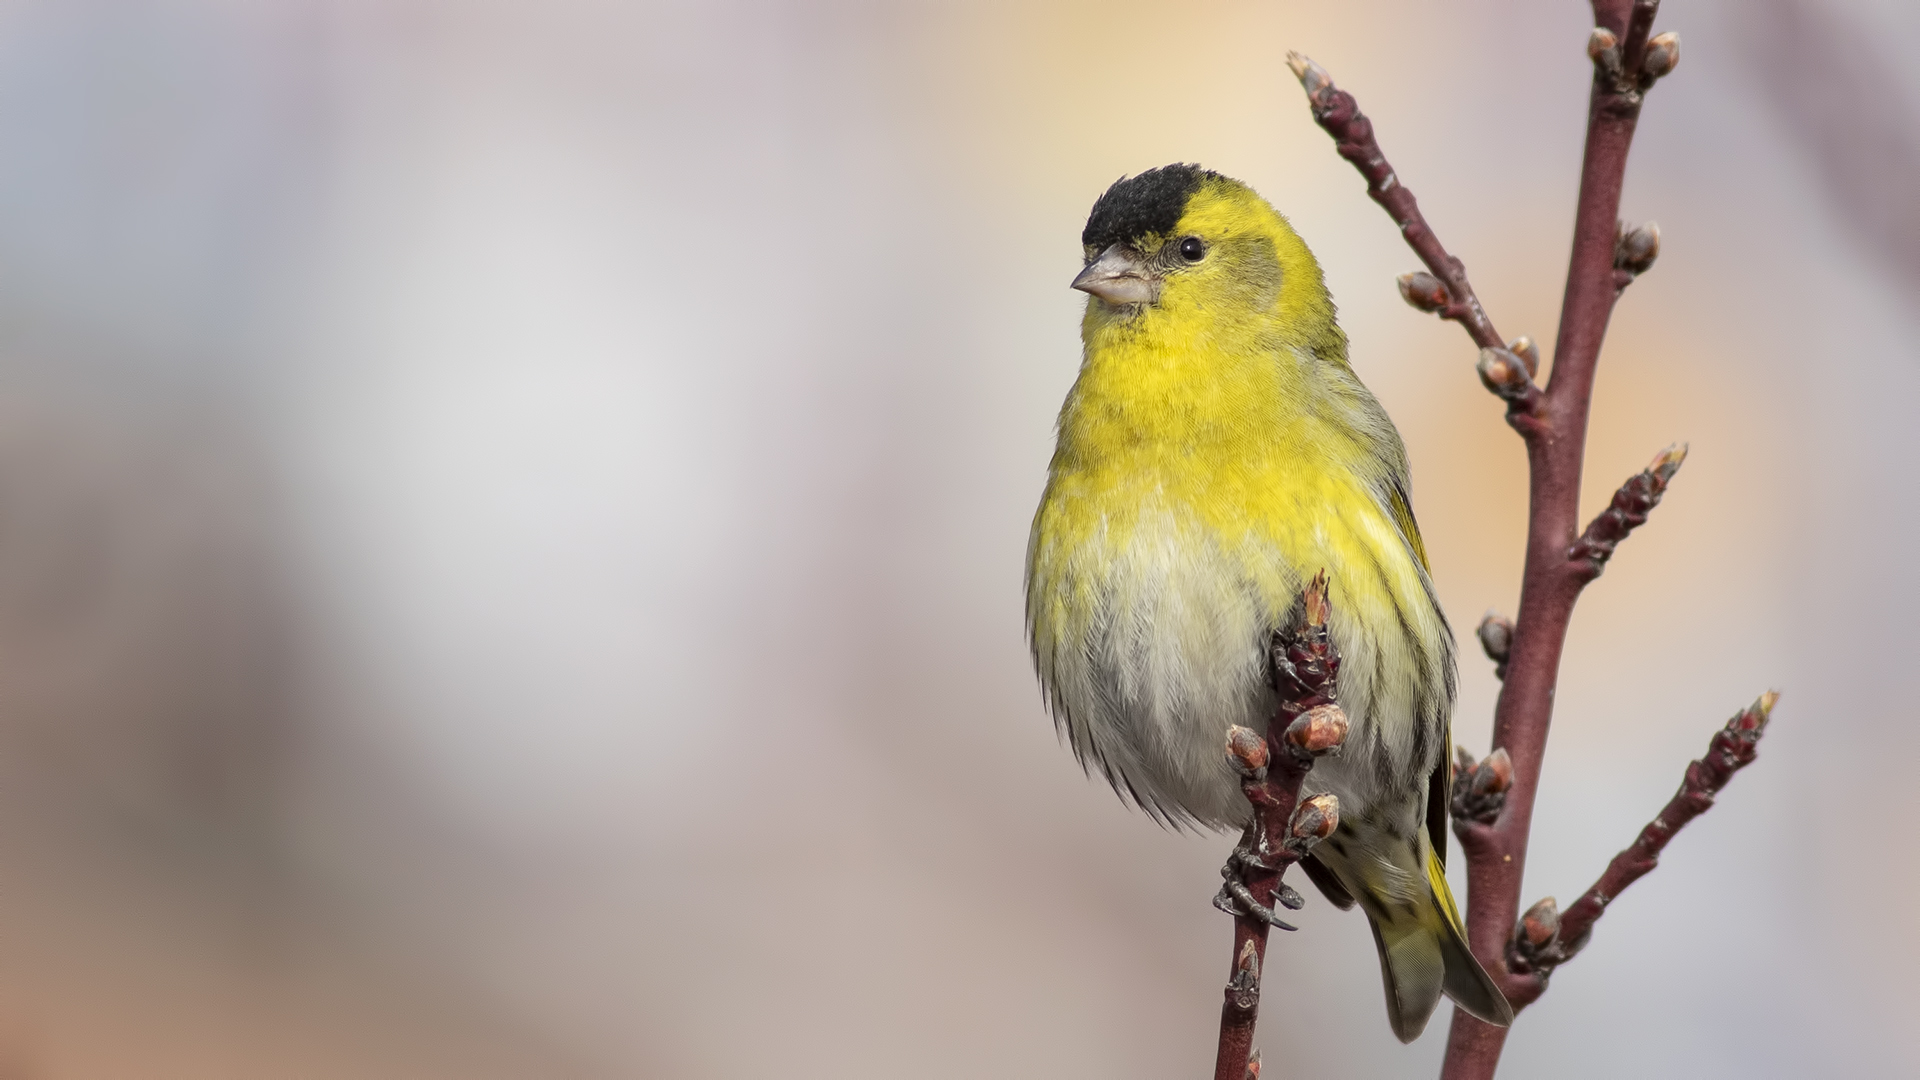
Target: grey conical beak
(1119, 276)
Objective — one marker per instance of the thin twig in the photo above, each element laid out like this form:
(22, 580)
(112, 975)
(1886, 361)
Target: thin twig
(1307, 725)
(1628, 511)
(1546, 938)
(1352, 132)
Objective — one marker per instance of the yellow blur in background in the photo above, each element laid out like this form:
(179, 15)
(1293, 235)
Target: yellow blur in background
(511, 520)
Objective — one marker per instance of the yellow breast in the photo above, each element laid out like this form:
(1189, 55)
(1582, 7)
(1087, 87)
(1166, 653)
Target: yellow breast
(1192, 494)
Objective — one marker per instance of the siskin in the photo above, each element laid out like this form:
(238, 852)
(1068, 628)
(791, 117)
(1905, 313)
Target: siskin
(1215, 452)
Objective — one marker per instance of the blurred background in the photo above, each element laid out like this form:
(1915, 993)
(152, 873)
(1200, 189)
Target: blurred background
(511, 520)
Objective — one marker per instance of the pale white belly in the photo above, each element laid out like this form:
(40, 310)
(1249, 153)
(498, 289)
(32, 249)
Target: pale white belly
(1174, 651)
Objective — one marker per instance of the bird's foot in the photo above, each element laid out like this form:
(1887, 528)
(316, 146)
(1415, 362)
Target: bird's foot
(1237, 899)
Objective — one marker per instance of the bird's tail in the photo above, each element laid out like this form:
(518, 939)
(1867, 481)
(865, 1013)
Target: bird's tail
(1424, 953)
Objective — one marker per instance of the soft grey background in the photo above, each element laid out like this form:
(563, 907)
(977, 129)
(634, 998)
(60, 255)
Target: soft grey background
(511, 519)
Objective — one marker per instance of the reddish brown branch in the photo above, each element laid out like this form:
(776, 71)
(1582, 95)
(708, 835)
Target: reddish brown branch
(1545, 938)
(1507, 369)
(1497, 852)
(1447, 292)
(1494, 803)
(1628, 511)
(1307, 725)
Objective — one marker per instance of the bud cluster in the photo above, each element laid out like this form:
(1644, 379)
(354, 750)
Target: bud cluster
(1661, 56)
(1306, 666)
(1480, 789)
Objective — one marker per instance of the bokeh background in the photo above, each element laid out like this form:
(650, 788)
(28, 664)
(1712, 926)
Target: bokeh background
(511, 519)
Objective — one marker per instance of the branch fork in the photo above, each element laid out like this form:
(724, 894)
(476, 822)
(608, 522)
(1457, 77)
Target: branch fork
(1492, 800)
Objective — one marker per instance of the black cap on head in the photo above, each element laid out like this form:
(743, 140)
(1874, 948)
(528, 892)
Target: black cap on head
(1142, 205)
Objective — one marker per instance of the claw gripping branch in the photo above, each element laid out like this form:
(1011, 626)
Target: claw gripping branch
(1309, 724)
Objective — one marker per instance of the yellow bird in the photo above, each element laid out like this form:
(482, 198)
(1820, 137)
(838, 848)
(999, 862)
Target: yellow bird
(1215, 452)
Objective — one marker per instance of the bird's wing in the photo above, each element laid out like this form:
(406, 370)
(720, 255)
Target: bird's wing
(1402, 510)
(1440, 800)
(1440, 784)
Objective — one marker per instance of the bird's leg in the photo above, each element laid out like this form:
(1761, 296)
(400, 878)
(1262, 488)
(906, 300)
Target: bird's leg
(1236, 896)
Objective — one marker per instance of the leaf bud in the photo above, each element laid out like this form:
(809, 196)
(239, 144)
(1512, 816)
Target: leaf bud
(1315, 818)
(1496, 636)
(1424, 291)
(1541, 923)
(1600, 41)
(1314, 603)
(1504, 373)
(1663, 55)
(1319, 730)
(1666, 463)
(1753, 719)
(1635, 250)
(1313, 78)
(1247, 752)
(1528, 352)
(1495, 774)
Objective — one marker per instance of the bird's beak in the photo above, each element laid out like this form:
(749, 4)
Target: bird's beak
(1119, 276)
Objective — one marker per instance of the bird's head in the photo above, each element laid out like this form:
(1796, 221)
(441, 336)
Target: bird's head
(1185, 249)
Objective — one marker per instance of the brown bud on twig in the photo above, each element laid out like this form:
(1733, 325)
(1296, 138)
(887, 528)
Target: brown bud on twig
(1313, 78)
(1504, 373)
(1243, 988)
(1304, 665)
(1601, 41)
(1628, 511)
(1424, 291)
(1534, 947)
(1315, 603)
(1541, 922)
(1634, 250)
(1496, 637)
(1529, 354)
(1495, 774)
(1313, 821)
(1748, 725)
(1247, 752)
(1663, 55)
(1666, 463)
(1603, 47)
(1480, 791)
(1318, 731)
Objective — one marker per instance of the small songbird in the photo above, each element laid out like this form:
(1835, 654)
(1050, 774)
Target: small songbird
(1215, 452)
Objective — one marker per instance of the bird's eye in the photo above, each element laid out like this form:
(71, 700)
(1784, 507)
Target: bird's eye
(1193, 249)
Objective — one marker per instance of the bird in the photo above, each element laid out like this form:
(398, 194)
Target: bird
(1215, 452)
